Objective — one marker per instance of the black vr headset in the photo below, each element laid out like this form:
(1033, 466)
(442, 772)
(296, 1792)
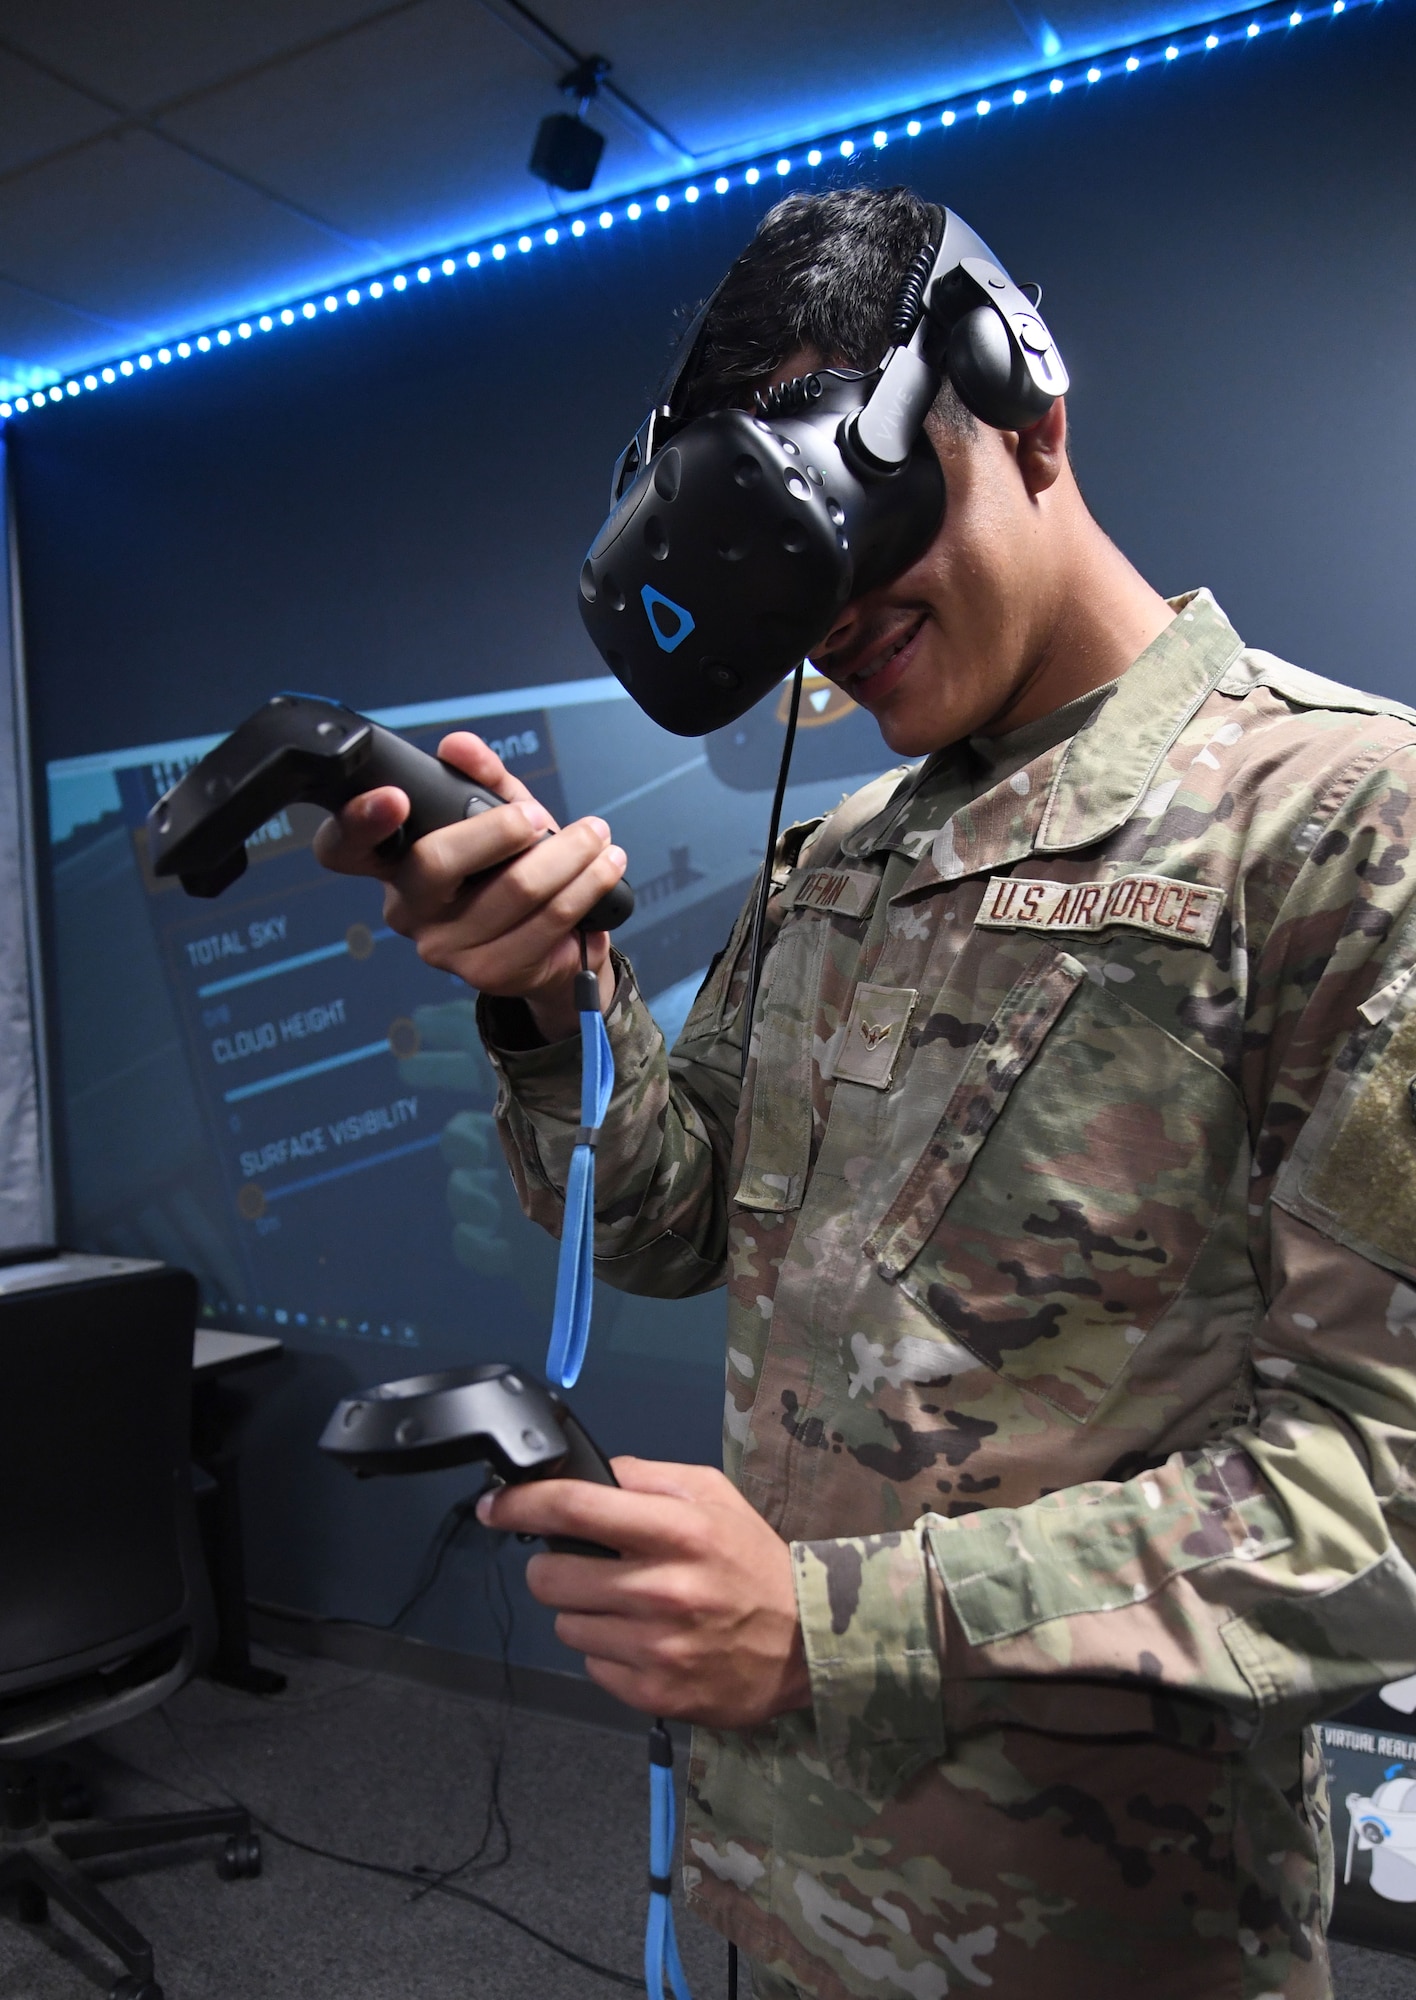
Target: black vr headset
(734, 540)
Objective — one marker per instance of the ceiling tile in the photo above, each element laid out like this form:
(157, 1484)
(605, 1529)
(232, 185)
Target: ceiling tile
(38, 335)
(840, 64)
(38, 115)
(415, 130)
(130, 229)
(402, 126)
(1085, 26)
(144, 52)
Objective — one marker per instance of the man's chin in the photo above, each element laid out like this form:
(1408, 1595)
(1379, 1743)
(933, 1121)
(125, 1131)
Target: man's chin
(911, 736)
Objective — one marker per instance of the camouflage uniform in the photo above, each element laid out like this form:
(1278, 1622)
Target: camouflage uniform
(1067, 1225)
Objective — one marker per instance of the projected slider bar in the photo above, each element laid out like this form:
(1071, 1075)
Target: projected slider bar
(244, 1090)
(348, 1167)
(344, 949)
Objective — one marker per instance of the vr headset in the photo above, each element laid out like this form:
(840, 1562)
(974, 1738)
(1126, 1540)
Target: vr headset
(734, 540)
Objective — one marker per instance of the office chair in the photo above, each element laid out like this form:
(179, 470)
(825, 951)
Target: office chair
(104, 1608)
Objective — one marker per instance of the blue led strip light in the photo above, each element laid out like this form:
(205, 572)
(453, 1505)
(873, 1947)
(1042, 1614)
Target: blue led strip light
(575, 1274)
(842, 144)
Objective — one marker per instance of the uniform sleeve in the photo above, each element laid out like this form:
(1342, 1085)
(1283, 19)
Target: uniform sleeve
(1266, 1580)
(665, 1150)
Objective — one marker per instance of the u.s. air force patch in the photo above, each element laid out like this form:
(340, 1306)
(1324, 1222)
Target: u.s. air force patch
(1184, 911)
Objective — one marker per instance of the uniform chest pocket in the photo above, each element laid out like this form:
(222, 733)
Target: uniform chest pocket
(1068, 1188)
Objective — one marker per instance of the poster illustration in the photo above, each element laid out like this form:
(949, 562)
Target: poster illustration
(1371, 1760)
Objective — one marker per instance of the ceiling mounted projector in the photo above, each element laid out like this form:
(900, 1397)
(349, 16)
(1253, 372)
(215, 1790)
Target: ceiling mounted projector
(567, 152)
(567, 149)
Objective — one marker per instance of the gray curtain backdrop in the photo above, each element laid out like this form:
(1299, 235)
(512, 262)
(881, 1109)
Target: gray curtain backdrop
(26, 1205)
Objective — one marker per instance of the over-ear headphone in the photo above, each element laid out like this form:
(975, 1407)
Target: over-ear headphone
(735, 539)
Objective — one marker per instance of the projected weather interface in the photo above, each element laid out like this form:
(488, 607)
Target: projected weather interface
(271, 1088)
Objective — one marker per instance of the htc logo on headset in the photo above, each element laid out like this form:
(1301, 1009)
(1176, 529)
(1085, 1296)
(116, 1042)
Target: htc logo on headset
(669, 622)
(772, 521)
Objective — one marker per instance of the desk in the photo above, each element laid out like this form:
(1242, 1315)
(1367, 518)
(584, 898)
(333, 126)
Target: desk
(218, 1353)
(217, 1416)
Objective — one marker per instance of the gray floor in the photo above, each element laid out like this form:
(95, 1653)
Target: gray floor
(391, 1772)
(386, 1771)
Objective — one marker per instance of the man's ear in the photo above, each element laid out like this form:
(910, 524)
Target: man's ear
(1042, 449)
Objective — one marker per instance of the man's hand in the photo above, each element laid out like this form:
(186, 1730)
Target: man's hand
(697, 1619)
(512, 933)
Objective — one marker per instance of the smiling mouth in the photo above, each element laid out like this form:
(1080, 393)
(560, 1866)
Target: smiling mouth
(861, 677)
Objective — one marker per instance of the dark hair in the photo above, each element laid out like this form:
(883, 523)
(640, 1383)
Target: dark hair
(821, 273)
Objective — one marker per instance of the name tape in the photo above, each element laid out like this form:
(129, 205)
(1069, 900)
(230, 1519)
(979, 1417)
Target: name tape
(1187, 911)
(848, 891)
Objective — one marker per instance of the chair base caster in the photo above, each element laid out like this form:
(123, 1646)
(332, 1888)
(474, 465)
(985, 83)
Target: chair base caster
(240, 1857)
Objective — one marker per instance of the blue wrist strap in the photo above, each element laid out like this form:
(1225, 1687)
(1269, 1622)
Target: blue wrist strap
(570, 1322)
(570, 1331)
(661, 1953)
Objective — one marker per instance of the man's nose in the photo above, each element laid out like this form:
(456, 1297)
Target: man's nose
(841, 636)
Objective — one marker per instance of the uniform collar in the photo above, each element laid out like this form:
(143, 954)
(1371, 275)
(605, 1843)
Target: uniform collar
(1078, 791)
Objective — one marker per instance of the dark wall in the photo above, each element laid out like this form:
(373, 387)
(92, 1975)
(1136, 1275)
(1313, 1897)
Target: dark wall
(397, 497)
(392, 503)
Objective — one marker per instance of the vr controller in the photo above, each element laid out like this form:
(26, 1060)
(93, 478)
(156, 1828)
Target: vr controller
(493, 1413)
(298, 749)
(496, 1413)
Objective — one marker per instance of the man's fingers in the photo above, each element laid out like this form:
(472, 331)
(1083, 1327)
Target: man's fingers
(633, 1523)
(429, 880)
(591, 1584)
(481, 764)
(654, 1475)
(346, 842)
(626, 1641)
(495, 899)
(521, 916)
(451, 861)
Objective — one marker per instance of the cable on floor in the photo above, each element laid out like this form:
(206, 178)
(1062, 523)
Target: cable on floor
(420, 1882)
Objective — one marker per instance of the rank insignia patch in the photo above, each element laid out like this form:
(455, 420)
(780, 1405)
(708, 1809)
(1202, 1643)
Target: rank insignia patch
(879, 1021)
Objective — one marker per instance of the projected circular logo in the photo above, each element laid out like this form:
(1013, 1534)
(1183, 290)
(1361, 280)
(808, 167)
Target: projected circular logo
(821, 702)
